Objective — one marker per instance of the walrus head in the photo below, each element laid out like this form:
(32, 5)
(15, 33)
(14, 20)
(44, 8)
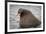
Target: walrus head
(23, 12)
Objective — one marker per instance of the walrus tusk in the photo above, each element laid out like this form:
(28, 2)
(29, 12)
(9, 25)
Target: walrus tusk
(18, 14)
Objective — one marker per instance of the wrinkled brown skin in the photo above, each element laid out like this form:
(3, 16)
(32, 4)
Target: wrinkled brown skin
(27, 19)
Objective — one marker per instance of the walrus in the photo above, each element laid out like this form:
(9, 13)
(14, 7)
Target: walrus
(27, 19)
